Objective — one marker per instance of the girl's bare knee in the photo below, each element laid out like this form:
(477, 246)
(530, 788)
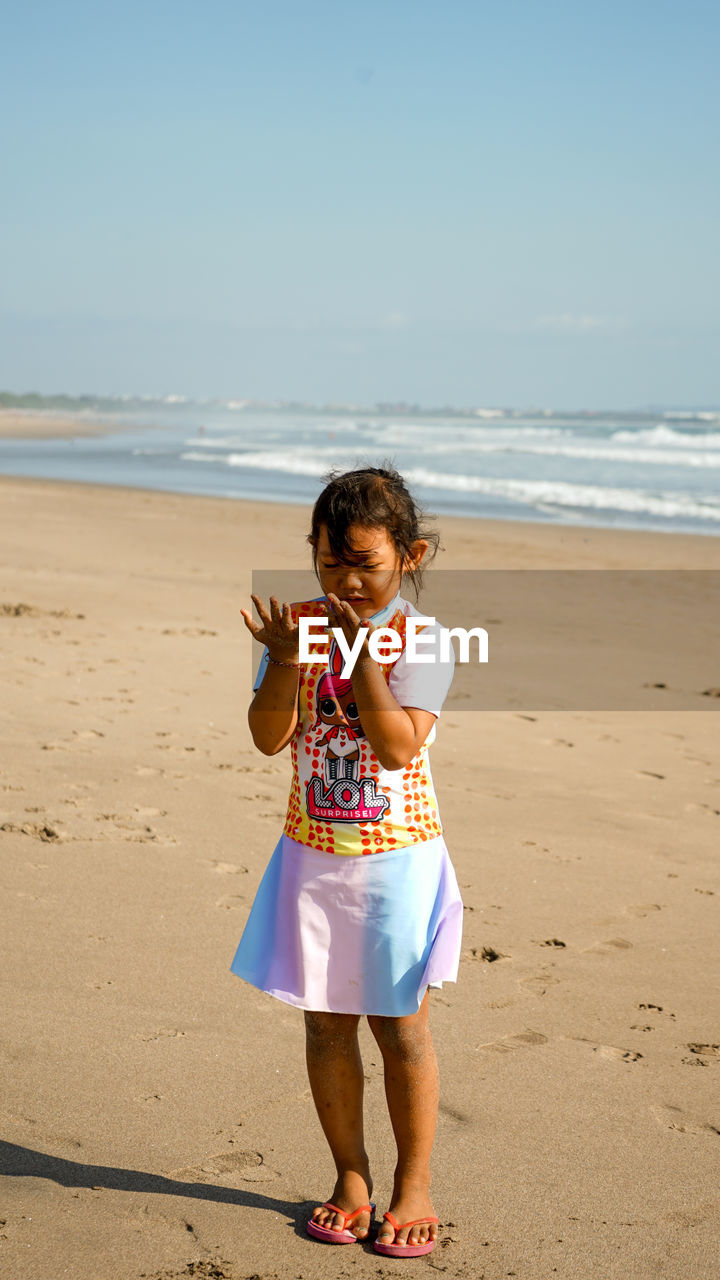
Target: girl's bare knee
(405, 1038)
(330, 1032)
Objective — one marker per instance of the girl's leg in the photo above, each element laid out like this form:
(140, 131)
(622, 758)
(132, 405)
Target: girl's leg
(337, 1082)
(411, 1088)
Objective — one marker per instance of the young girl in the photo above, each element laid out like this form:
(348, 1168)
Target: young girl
(358, 912)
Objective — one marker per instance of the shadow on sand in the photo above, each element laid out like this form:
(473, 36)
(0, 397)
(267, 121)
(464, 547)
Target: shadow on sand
(23, 1162)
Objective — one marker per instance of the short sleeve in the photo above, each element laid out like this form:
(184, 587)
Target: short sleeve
(424, 684)
(262, 668)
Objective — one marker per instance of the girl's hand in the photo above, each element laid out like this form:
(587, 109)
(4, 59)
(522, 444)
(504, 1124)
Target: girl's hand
(276, 630)
(343, 615)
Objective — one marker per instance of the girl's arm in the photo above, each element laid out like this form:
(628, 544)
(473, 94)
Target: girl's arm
(273, 712)
(395, 733)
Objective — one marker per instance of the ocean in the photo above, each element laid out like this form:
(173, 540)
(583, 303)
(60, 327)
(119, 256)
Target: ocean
(651, 471)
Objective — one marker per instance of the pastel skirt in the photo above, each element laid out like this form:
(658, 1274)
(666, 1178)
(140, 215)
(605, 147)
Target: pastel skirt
(364, 934)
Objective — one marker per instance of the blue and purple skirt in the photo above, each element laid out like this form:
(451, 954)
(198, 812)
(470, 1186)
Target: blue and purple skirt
(366, 934)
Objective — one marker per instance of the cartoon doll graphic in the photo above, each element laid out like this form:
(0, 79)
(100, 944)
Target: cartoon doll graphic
(342, 794)
(336, 708)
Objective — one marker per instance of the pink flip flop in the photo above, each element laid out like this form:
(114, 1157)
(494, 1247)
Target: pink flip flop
(405, 1250)
(339, 1237)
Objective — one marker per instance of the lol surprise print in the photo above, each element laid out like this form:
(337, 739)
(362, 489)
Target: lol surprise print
(358, 912)
(349, 797)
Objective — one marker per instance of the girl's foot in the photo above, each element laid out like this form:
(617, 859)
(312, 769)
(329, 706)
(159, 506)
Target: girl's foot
(412, 1205)
(351, 1190)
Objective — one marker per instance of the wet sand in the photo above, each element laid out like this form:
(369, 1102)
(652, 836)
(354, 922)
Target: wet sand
(21, 424)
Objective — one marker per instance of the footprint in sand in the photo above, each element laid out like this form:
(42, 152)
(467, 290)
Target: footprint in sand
(214, 1268)
(675, 1118)
(188, 631)
(225, 868)
(121, 826)
(617, 1055)
(17, 610)
(163, 1033)
(642, 909)
(48, 834)
(79, 735)
(520, 1040)
(709, 1051)
(245, 1166)
(608, 947)
(610, 1051)
(656, 1008)
(231, 901)
(538, 983)
(489, 954)
(706, 809)
(542, 847)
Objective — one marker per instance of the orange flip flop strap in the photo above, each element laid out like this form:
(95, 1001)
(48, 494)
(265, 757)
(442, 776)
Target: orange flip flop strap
(349, 1217)
(400, 1226)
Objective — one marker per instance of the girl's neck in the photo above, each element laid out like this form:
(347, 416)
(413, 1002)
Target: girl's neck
(387, 609)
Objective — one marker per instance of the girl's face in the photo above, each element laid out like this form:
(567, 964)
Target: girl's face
(370, 584)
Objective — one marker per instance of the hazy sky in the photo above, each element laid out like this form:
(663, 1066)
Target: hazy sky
(450, 201)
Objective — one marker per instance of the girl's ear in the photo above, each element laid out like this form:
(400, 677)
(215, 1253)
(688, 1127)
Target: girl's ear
(415, 554)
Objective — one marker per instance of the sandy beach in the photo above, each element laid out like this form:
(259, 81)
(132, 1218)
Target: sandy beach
(157, 1121)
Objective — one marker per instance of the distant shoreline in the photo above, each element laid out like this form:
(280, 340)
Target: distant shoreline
(68, 406)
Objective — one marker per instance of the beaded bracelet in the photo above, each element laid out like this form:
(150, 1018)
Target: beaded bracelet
(276, 662)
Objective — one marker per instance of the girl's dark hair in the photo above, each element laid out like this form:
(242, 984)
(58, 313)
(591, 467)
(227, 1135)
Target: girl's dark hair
(378, 498)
